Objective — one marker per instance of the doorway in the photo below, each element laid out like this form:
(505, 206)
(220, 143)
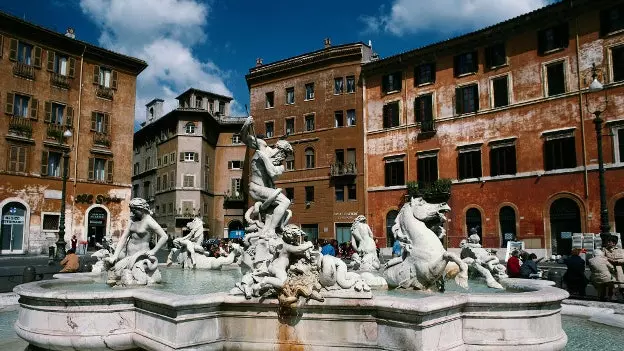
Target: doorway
(343, 232)
(97, 227)
(565, 220)
(507, 221)
(473, 221)
(12, 232)
(390, 220)
(236, 229)
(619, 216)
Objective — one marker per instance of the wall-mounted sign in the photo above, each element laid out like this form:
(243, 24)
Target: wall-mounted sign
(10, 219)
(99, 199)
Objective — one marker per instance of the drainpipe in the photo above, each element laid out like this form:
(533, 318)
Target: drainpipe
(407, 155)
(580, 102)
(364, 129)
(77, 137)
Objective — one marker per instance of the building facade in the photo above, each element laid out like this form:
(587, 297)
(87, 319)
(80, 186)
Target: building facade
(189, 163)
(314, 101)
(52, 83)
(502, 112)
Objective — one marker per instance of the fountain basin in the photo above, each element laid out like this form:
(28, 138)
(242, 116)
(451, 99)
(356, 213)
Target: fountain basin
(59, 319)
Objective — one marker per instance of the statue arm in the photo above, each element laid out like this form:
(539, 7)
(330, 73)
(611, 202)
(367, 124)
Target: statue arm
(160, 234)
(271, 169)
(299, 248)
(120, 244)
(248, 138)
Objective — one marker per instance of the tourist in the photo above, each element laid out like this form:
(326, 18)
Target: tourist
(602, 275)
(615, 255)
(74, 242)
(71, 262)
(574, 276)
(528, 270)
(397, 250)
(513, 265)
(328, 249)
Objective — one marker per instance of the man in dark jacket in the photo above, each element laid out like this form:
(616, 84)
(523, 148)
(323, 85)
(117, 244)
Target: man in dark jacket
(529, 267)
(574, 276)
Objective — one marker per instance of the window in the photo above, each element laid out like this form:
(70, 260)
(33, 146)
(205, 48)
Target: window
(236, 139)
(503, 158)
(311, 231)
(338, 119)
(617, 59)
(350, 118)
(60, 63)
(559, 151)
(51, 164)
(57, 114)
(51, 221)
(612, 20)
(290, 126)
(221, 108)
(309, 91)
(424, 74)
(269, 100)
(339, 158)
(351, 192)
(391, 115)
(170, 208)
(309, 193)
(135, 190)
(309, 123)
(17, 158)
(159, 161)
(269, 129)
(189, 156)
(423, 108)
(466, 63)
(172, 179)
(394, 172)
(501, 91)
(20, 105)
(467, 99)
(351, 157)
(188, 181)
(495, 55)
(100, 122)
(198, 102)
(99, 172)
(290, 194)
(236, 186)
(338, 86)
(172, 158)
(235, 165)
(158, 183)
(553, 38)
(309, 156)
(351, 84)
(469, 163)
(427, 166)
(24, 53)
(165, 160)
(290, 162)
(148, 163)
(555, 78)
(165, 183)
(105, 77)
(190, 128)
(340, 193)
(290, 96)
(619, 147)
(391, 82)
(211, 106)
(135, 170)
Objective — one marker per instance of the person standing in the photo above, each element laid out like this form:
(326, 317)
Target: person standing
(74, 242)
(574, 276)
(513, 265)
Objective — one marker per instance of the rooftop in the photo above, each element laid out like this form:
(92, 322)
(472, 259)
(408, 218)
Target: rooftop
(195, 90)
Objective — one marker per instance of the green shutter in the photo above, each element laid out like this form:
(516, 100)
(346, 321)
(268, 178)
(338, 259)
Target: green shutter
(44, 163)
(13, 158)
(72, 67)
(69, 116)
(37, 58)
(50, 65)
(181, 156)
(106, 124)
(93, 120)
(196, 157)
(109, 173)
(91, 167)
(13, 50)
(10, 98)
(34, 108)
(459, 102)
(48, 112)
(114, 79)
(21, 159)
(96, 74)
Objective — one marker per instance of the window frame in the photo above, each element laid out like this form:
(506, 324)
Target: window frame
(96, 171)
(102, 77)
(309, 194)
(563, 62)
(269, 103)
(43, 216)
(386, 121)
(607, 31)
(418, 76)
(266, 129)
(290, 92)
(507, 77)
(618, 144)
(423, 164)
(419, 98)
(310, 117)
(460, 60)
(462, 153)
(339, 85)
(498, 150)
(558, 43)
(186, 128)
(185, 177)
(550, 138)
(489, 55)
(290, 194)
(309, 93)
(59, 166)
(286, 122)
(390, 174)
(352, 79)
(350, 187)
(612, 62)
(191, 154)
(236, 139)
(385, 82)
(475, 99)
(23, 98)
(351, 122)
(310, 158)
(339, 189)
(339, 119)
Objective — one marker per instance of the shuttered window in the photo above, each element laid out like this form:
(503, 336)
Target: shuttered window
(105, 77)
(17, 158)
(101, 170)
(467, 99)
(100, 122)
(391, 115)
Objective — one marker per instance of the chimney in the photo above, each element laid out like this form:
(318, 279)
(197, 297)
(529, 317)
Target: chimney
(258, 62)
(70, 33)
(327, 43)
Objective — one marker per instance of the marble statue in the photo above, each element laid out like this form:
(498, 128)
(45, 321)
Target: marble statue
(133, 262)
(100, 255)
(482, 261)
(277, 262)
(364, 244)
(424, 259)
(191, 254)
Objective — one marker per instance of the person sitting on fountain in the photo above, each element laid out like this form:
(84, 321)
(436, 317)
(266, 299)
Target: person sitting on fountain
(134, 242)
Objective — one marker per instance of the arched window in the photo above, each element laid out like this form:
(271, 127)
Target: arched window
(507, 221)
(390, 220)
(151, 111)
(190, 128)
(473, 221)
(309, 155)
(236, 229)
(619, 216)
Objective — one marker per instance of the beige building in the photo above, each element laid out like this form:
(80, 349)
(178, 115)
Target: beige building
(189, 163)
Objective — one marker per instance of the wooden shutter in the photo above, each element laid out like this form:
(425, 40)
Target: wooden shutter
(385, 116)
(37, 58)
(196, 157)
(456, 62)
(10, 98)
(91, 167)
(69, 116)
(34, 108)
(109, 171)
(106, 124)
(96, 74)
(48, 112)
(459, 102)
(172, 158)
(13, 49)
(50, 65)
(21, 160)
(416, 75)
(44, 163)
(13, 158)
(181, 156)
(114, 79)
(93, 120)
(475, 95)
(418, 110)
(72, 67)
(384, 83)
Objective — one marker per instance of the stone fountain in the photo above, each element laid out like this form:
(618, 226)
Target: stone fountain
(292, 297)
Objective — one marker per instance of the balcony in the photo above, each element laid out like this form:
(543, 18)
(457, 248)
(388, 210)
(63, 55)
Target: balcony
(21, 126)
(24, 70)
(343, 169)
(101, 140)
(59, 80)
(55, 132)
(104, 92)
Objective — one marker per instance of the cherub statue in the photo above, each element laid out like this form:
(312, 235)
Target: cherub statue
(364, 244)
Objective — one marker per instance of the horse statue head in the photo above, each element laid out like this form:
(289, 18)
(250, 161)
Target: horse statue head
(428, 212)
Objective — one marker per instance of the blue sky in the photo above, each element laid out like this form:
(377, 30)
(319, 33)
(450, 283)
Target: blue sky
(211, 44)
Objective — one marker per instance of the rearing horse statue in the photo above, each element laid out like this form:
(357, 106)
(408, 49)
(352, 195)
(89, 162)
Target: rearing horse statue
(424, 259)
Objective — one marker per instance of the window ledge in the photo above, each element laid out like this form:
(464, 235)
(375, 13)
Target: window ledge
(392, 92)
(424, 84)
(466, 74)
(614, 33)
(312, 99)
(552, 51)
(385, 188)
(268, 108)
(506, 64)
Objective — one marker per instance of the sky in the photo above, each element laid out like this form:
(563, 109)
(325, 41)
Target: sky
(211, 44)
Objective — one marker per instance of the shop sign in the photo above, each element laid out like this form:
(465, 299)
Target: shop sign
(99, 199)
(10, 219)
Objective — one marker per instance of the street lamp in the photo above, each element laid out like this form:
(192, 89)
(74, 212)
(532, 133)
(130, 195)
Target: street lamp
(595, 87)
(60, 244)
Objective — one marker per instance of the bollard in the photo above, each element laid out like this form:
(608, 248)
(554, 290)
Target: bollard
(29, 274)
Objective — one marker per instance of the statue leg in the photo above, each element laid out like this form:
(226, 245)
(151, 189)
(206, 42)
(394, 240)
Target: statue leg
(462, 277)
(489, 279)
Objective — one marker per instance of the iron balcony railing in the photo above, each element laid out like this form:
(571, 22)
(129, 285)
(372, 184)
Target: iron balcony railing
(104, 92)
(343, 169)
(55, 131)
(59, 80)
(24, 70)
(101, 139)
(21, 126)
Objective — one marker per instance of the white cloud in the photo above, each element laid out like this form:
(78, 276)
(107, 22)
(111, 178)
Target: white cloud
(163, 33)
(446, 16)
